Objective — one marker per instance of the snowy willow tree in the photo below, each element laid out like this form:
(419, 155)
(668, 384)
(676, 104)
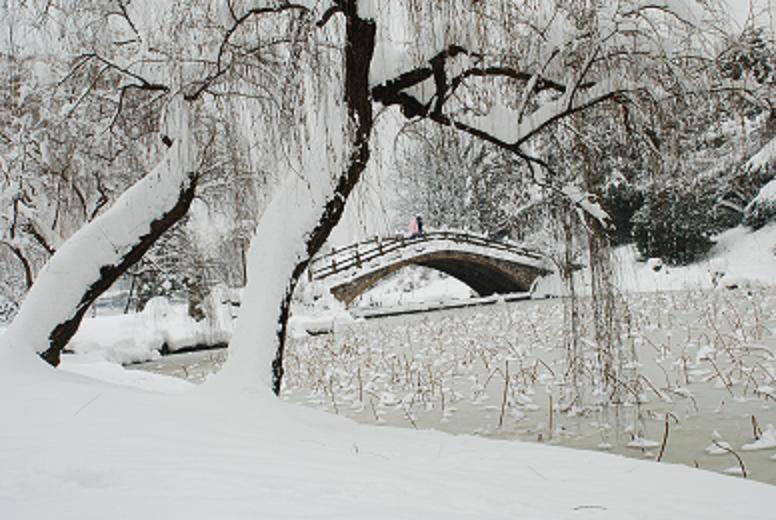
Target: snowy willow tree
(308, 76)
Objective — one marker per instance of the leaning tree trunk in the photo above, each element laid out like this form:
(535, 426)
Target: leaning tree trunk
(303, 213)
(359, 48)
(97, 254)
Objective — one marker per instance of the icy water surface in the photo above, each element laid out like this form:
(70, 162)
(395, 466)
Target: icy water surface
(705, 369)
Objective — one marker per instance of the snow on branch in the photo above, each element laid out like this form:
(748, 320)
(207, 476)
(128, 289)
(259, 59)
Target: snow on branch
(587, 203)
(509, 132)
(501, 126)
(239, 21)
(764, 157)
(94, 257)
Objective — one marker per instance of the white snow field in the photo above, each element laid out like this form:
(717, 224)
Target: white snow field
(125, 444)
(71, 447)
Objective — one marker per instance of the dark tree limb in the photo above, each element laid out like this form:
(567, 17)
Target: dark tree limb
(329, 13)
(16, 250)
(39, 238)
(102, 201)
(359, 50)
(205, 84)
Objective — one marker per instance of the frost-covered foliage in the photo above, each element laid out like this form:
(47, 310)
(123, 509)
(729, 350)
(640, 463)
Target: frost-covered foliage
(85, 265)
(81, 123)
(762, 209)
(65, 152)
(751, 55)
(457, 182)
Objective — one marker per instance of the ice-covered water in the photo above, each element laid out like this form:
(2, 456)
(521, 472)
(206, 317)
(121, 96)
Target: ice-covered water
(705, 369)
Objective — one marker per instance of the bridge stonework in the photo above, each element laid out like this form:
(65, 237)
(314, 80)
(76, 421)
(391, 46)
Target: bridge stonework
(487, 266)
(485, 275)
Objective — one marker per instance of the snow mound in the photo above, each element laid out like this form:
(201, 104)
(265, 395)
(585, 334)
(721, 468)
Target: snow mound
(766, 441)
(103, 451)
(718, 448)
(641, 443)
(161, 327)
(734, 470)
(100, 370)
(762, 209)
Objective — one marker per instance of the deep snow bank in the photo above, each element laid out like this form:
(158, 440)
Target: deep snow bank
(162, 326)
(78, 449)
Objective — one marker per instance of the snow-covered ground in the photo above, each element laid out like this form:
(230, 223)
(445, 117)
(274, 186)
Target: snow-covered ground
(95, 440)
(740, 258)
(415, 285)
(73, 447)
(707, 362)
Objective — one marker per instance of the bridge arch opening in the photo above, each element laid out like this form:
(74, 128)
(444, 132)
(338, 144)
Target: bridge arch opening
(413, 284)
(484, 275)
(487, 266)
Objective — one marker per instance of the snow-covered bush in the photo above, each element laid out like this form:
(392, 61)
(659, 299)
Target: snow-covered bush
(762, 209)
(674, 224)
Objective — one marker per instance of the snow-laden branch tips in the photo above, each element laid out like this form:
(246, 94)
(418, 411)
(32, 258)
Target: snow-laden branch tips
(579, 96)
(575, 96)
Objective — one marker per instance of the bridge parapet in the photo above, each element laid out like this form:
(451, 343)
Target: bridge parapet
(358, 255)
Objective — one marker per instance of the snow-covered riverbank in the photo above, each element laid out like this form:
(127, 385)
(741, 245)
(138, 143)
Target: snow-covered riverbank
(446, 371)
(74, 448)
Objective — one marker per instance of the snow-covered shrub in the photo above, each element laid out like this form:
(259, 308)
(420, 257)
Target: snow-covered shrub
(7, 309)
(674, 224)
(762, 209)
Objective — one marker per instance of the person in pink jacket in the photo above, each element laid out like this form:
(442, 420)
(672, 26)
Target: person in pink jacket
(412, 229)
(416, 227)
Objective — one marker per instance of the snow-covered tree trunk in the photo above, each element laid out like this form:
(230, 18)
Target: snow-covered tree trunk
(305, 210)
(90, 261)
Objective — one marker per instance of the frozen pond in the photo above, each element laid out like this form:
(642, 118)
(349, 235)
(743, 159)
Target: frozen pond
(706, 369)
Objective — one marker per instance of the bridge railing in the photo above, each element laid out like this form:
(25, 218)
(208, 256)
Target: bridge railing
(356, 255)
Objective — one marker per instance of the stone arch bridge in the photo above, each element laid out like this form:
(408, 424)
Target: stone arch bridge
(487, 266)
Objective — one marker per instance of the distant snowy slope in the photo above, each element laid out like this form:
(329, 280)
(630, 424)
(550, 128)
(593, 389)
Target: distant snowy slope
(740, 258)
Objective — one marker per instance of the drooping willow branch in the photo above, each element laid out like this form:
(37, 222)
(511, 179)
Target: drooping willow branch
(204, 84)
